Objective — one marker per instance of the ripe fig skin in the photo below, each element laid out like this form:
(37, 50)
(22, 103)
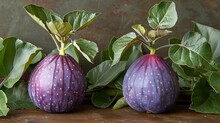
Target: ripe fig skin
(57, 84)
(150, 85)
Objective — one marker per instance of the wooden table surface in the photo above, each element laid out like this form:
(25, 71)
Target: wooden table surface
(88, 114)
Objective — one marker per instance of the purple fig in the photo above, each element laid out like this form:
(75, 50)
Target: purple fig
(150, 85)
(57, 84)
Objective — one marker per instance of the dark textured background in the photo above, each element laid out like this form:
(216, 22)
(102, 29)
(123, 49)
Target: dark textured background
(116, 19)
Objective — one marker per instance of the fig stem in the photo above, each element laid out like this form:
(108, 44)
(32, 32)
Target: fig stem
(63, 46)
(152, 51)
(145, 43)
(68, 46)
(164, 46)
(62, 49)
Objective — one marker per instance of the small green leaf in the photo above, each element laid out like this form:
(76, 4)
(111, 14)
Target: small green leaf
(212, 35)
(103, 74)
(42, 15)
(194, 51)
(120, 103)
(18, 97)
(102, 99)
(213, 79)
(15, 58)
(139, 29)
(161, 33)
(204, 99)
(88, 49)
(59, 28)
(3, 101)
(80, 19)
(163, 15)
(121, 44)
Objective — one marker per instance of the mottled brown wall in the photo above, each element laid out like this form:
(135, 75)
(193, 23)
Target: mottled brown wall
(116, 19)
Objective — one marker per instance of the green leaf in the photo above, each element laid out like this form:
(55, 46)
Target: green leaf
(194, 51)
(110, 50)
(80, 19)
(42, 15)
(119, 81)
(105, 55)
(120, 103)
(135, 54)
(1, 44)
(162, 15)
(184, 83)
(121, 44)
(103, 74)
(174, 41)
(18, 97)
(212, 35)
(204, 99)
(59, 28)
(213, 79)
(71, 50)
(88, 49)
(102, 100)
(3, 101)
(139, 29)
(37, 58)
(15, 58)
(181, 72)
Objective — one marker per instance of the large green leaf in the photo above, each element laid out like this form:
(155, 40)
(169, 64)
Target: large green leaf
(163, 15)
(88, 49)
(103, 74)
(3, 101)
(194, 51)
(80, 19)
(121, 44)
(184, 79)
(15, 57)
(213, 79)
(18, 97)
(105, 55)
(134, 55)
(213, 37)
(102, 100)
(37, 58)
(110, 50)
(181, 72)
(59, 28)
(204, 99)
(118, 82)
(42, 15)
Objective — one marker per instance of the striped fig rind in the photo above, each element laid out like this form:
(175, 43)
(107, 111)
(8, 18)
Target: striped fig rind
(57, 84)
(150, 85)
